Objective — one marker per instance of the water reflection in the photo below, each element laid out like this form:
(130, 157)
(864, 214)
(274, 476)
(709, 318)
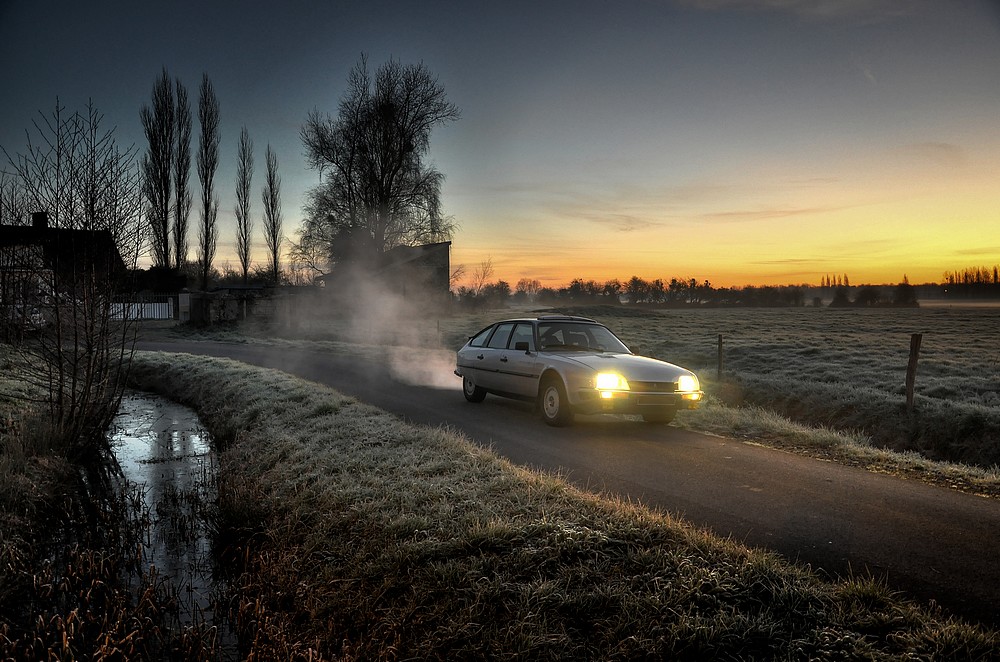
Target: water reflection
(162, 447)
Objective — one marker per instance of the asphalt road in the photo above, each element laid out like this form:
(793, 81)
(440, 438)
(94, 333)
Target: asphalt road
(929, 542)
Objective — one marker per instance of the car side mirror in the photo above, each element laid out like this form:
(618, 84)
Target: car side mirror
(521, 347)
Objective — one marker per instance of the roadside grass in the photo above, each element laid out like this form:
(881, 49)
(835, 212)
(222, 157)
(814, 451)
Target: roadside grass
(815, 381)
(355, 536)
(29, 472)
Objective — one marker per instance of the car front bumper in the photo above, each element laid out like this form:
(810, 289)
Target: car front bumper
(591, 401)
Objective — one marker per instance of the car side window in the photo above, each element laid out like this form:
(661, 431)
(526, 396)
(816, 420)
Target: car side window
(501, 336)
(522, 333)
(479, 340)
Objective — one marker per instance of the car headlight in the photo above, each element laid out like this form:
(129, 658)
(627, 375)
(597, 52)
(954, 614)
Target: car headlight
(687, 383)
(610, 381)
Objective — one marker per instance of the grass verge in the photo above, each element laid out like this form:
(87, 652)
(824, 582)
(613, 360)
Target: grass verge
(361, 537)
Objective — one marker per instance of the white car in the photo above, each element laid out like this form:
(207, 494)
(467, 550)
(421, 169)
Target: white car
(572, 365)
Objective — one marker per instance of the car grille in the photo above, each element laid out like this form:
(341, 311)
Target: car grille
(653, 387)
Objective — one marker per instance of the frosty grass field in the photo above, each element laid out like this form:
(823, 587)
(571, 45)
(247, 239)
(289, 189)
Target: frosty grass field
(844, 368)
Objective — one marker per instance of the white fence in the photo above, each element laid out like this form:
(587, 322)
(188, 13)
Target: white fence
(149, 308)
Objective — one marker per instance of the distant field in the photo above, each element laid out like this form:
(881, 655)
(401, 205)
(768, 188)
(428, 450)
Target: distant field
(844, 368)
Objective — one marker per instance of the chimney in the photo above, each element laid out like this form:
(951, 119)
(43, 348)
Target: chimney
(40, 220)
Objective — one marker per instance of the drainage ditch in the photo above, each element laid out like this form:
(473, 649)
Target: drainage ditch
(166, 456)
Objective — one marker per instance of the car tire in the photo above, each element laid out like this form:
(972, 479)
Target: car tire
(472, 392)
(660, 416)
(554, 404)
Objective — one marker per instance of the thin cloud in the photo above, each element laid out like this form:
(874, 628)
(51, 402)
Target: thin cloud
(620, 222)
(946, 155)
(863, 249)
(864, 10)
(746, 215)
(986, 250)
(791, 261)
(866, 70)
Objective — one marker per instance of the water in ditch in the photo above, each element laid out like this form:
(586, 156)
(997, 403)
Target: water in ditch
(163, 449)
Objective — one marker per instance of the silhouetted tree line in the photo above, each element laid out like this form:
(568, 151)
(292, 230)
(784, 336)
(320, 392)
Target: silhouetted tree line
(681, 292)
(973, 282)
(870, 296)
(676, 292)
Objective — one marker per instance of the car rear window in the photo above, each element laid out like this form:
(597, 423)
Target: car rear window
(479, 340)
(501, 336)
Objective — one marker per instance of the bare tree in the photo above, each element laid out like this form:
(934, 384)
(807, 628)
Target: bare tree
(481, 276)
(271, 197)
(244, 224)
(376, 185)
(311, 252)
(457, 274)
(182, 172)
(89, 230)
(208, 163)
(158, 123)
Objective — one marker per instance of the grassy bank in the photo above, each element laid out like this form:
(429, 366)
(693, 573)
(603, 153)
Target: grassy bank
(359, 537)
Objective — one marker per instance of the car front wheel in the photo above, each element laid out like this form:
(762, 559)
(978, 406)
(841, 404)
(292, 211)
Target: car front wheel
(472, 392)
(553, 403)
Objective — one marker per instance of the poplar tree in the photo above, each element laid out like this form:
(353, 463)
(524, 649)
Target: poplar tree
(158, 123)
(182, 172)
(207, 162)
(244, 224)
(271, 197)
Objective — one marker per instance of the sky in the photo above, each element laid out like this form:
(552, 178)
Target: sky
(735, 141)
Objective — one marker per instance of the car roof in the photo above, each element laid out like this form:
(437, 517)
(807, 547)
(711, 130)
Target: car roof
(550, 318)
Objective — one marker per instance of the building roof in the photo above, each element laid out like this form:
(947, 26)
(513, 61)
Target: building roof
(64, 249)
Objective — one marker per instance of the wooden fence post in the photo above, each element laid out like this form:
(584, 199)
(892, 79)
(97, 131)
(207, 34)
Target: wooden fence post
(911, 369)
(720, 357)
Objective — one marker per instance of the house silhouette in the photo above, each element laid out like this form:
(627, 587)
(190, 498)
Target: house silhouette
(39, 262)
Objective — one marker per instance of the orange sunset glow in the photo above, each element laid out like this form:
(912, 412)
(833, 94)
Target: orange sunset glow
(735, 141)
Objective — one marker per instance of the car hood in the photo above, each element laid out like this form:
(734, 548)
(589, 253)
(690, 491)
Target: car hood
(638, 368)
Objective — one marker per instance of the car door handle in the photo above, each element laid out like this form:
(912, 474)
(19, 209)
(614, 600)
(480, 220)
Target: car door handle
(480, 357)
(503, 359)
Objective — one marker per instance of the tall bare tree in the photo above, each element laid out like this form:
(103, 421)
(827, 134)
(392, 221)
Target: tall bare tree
(159, 124)
(377, 192)
(90, 196)
(244, 223)
(271, 197)
(182, 172)
(208, 163)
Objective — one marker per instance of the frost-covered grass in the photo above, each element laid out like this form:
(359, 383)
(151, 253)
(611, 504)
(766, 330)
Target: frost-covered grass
(815, 380)
(357, 536)
(843, 369)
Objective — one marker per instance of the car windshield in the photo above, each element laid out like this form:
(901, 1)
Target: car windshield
(579, 337)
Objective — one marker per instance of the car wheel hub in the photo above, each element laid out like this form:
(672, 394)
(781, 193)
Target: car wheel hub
(551, 402)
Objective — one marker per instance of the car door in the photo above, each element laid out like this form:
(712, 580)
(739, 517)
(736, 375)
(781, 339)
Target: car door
(519, 368)
(487, 360)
